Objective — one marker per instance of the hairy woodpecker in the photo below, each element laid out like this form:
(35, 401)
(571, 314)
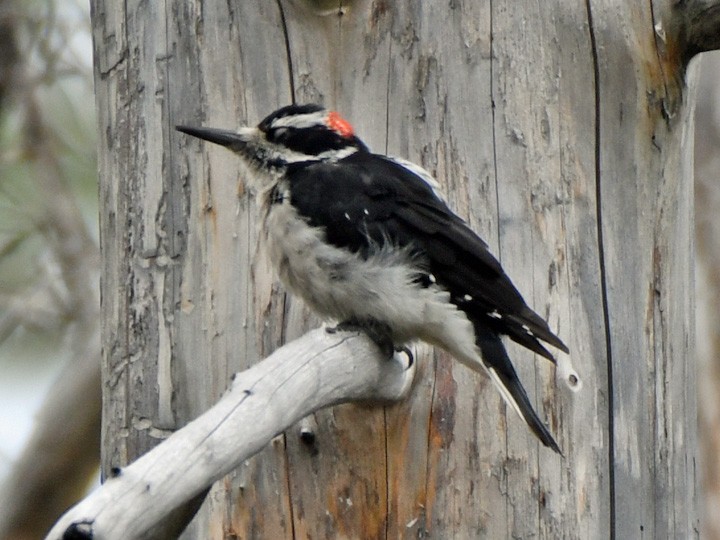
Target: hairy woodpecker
(366, 239)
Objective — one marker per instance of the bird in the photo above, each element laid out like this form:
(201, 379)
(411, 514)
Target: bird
(367, 240)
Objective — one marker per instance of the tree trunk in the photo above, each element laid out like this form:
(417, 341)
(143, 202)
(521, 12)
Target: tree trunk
(707, 233)
(560, 130)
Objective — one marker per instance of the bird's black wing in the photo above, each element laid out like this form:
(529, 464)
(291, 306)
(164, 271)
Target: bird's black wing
(367, 200)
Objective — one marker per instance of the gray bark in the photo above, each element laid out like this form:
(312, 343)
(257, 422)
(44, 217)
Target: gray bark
(560, 131)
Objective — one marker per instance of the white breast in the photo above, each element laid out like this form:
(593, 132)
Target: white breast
(340, 285)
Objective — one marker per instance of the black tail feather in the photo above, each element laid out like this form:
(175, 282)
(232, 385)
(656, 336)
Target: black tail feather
(540, 328)
(497, 361)
(520, 336)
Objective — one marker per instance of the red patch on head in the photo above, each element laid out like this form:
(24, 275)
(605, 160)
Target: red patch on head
(339, 125)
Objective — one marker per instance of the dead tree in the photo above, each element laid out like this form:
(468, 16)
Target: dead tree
(560, 130)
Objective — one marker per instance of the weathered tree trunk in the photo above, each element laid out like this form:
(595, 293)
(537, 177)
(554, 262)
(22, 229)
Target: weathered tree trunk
(707, 230)
(561, 130)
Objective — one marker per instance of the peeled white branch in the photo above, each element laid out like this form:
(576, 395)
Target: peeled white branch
(312, 372)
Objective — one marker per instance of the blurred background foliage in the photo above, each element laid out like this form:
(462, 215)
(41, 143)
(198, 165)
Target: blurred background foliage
(49, 299)
(49, 263)
(46, 120)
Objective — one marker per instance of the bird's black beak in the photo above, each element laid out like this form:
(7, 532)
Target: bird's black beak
(222, 137)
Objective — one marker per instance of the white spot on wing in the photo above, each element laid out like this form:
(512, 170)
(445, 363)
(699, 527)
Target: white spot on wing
(495, 315)
(432, 279)
(467, 298)
(347, 216)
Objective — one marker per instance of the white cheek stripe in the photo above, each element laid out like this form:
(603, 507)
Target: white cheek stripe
(286, 155)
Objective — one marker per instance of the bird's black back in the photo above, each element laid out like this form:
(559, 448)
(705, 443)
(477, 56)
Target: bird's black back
(367, 200)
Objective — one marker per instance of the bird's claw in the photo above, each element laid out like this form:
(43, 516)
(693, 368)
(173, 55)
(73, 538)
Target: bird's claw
(378, 332)
(405, 349)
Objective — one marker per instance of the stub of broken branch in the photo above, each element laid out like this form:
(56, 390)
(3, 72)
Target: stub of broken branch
(695, 23)
(315, 371)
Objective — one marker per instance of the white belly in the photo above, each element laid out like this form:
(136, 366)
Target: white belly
(340, 285)
(329, 279)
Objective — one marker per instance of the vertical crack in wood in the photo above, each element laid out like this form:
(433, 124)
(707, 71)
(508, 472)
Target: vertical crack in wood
(334, 68)
(504, 480)
(285, 307)
(428, 453)
(603, 273)
(286, 34)
(288, 481)
(387, 473)
(108, 456)
(494, 125)
(387, 95)
(173, 224)
(387, 446)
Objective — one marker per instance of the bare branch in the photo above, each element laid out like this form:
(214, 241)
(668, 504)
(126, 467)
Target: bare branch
(315, 371)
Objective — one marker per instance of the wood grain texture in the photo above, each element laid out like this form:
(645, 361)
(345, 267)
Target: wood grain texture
(315, 371)
(559, 130)
(645, 193)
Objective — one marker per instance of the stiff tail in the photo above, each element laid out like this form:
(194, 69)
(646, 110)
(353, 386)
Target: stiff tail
(503, 374)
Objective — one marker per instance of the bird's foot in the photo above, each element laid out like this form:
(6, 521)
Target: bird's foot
(405, 349)
(377, 331)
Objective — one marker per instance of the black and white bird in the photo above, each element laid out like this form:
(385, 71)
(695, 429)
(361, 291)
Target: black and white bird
(365, 239)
